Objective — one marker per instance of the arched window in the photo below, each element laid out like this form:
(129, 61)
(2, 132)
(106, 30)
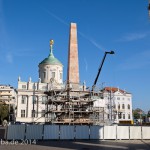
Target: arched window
(44, 74)
(118, 106)
(128, 106)
(114, 106)
(123, 107)
(123, 116)
(128, 116)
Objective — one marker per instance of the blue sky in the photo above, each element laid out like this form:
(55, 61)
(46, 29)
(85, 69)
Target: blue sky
(26, 26)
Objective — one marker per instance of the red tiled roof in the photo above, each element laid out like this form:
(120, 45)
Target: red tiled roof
(113, 89)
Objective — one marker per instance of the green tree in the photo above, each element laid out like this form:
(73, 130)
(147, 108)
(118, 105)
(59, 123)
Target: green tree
(4, 110)
(137, 113)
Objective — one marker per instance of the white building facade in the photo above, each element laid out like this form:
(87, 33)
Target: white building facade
(31, 97)
(8, 96)
(117, 105)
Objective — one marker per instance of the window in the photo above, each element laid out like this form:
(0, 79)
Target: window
(22, 113)
(53, 74)
(128, 106)
(123, 107)
(118, 98)
(129, 116)
(119, 116)
(33, 113)
(23, 100)
(34, 99)
(118, 106)
(43, 113)
(123, 116)
(128, 99)
(34, 87)
(44, 99)
(23, 86)
(108, 116)
(60, 75)
(114, 106)
(44, 75)
(108, 106)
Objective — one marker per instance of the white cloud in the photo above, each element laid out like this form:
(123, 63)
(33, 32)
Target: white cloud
(133, 36)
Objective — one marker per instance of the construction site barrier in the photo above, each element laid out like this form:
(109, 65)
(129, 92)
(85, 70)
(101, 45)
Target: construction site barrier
(145, 133)
(71, 132)
(135, 132)
(82, 132)
(123, 132)
(34, 131)
(67, 132)
(16, 132)
(51, 132)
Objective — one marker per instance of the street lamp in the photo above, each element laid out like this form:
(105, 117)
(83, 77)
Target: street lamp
(149, 9)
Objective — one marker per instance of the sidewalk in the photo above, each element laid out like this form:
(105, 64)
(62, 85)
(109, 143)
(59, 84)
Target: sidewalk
(81, 145)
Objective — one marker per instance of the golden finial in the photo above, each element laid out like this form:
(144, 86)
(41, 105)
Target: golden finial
(51, 46)
(51, 42)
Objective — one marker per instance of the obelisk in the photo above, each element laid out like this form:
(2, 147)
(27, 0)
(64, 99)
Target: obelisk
(73, 64)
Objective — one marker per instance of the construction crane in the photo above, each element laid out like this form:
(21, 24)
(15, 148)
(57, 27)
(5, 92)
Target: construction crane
(149, 8)
(100, 68)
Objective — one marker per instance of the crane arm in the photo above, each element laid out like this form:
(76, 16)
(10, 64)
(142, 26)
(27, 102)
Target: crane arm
(100, 68)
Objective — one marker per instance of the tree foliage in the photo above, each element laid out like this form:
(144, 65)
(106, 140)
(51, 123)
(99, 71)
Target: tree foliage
(4, 110)
(137, 113)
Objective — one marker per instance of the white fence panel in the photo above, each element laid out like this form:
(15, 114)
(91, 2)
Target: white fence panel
(34, 131)
(109, 132)
(146, 132)
(135, 132)
(96, 132)
(82, 132)
(67, 132)
(122, 132)
(16, 132)
(51, 132)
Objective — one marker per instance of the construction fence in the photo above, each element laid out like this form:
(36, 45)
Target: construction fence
(76, 132)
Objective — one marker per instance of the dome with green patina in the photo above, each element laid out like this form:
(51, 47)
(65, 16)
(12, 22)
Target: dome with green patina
(51, 60)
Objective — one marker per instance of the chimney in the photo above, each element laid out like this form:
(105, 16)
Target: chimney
(73, 64)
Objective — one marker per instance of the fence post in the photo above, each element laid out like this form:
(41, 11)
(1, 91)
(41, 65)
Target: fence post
(141, 133)
(116, 133)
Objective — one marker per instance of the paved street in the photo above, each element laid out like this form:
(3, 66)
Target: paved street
(78, 145)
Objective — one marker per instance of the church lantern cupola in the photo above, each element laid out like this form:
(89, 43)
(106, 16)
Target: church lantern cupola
(51, 69)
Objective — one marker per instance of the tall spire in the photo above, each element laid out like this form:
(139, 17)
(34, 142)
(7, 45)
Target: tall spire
(73, 65)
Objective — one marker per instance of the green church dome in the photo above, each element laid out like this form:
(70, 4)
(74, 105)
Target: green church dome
(51, 60)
